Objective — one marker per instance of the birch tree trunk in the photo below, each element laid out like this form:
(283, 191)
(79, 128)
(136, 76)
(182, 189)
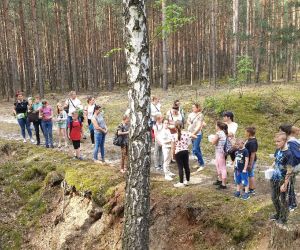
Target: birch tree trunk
(137, 198)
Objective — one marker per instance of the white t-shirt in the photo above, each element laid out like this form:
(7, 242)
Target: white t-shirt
(72, 108)
(155, 110)
(232, 128)
(90, 111)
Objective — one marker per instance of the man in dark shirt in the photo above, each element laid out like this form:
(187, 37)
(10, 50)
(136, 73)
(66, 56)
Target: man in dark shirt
(252, 147)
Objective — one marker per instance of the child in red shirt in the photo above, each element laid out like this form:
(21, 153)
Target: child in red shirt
(75, 133)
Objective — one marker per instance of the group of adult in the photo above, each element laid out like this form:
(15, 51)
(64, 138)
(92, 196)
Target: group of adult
(69, 118)
(168, 140)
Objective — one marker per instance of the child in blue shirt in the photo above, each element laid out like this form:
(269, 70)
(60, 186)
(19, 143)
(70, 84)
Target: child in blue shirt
(241, 173)
(280, 179)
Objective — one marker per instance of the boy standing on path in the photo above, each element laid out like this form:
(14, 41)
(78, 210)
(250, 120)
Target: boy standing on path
(280, 179)
(252, 147)
(240, 172)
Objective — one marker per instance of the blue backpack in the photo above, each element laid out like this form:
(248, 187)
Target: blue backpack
(294, 147)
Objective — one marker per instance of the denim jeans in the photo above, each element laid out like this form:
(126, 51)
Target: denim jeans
(47, 128)
(99, 144)
(24, 123)
(197, 149)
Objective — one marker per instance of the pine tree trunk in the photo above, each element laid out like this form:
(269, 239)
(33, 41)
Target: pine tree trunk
(213, 43)
(61, 57)
(72, 47)
(235, 34)
(137, 199)
(87, 46)
(37, 49)
(164, 47)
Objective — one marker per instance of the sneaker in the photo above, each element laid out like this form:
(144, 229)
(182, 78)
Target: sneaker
(274, 217)
(24, 141)
(31, 140)
(186, 183)
(217, 183)
(172, 174)
(59, 145)
(168, 178)
(245, 196)
(103, 160)
(281, 222)
(80, 158)
(172, 162)
(200, 169)
(252, 192)
(179, 185)
(47, 146)
(158, 169)
(97, 161)
(237, 194)
(221, 187)
(292, 208)
(194, 157)
(196, 166)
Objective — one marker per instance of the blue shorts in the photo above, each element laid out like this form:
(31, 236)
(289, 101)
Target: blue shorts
(251, 172)
(241, 178)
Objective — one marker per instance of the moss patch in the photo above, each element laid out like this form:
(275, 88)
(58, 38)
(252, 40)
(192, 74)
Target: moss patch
(25, 172)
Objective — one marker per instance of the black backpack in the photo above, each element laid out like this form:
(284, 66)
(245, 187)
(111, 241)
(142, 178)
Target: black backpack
(227, 146)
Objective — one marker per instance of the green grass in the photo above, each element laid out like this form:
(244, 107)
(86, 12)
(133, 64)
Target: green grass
(264, 108)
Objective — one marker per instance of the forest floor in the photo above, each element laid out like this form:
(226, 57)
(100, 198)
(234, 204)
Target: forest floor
(199, 210)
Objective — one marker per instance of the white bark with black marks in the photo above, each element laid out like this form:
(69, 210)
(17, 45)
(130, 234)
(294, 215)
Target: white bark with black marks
(137, 201)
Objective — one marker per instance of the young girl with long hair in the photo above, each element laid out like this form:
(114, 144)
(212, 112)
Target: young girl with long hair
(182, 141)
(219, 141)
(61, 123)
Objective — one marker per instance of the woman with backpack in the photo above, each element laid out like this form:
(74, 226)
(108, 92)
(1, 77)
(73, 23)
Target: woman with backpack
(100, 129)
(228, 118)
(20, 112)
(219, 140)
(122, 136)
